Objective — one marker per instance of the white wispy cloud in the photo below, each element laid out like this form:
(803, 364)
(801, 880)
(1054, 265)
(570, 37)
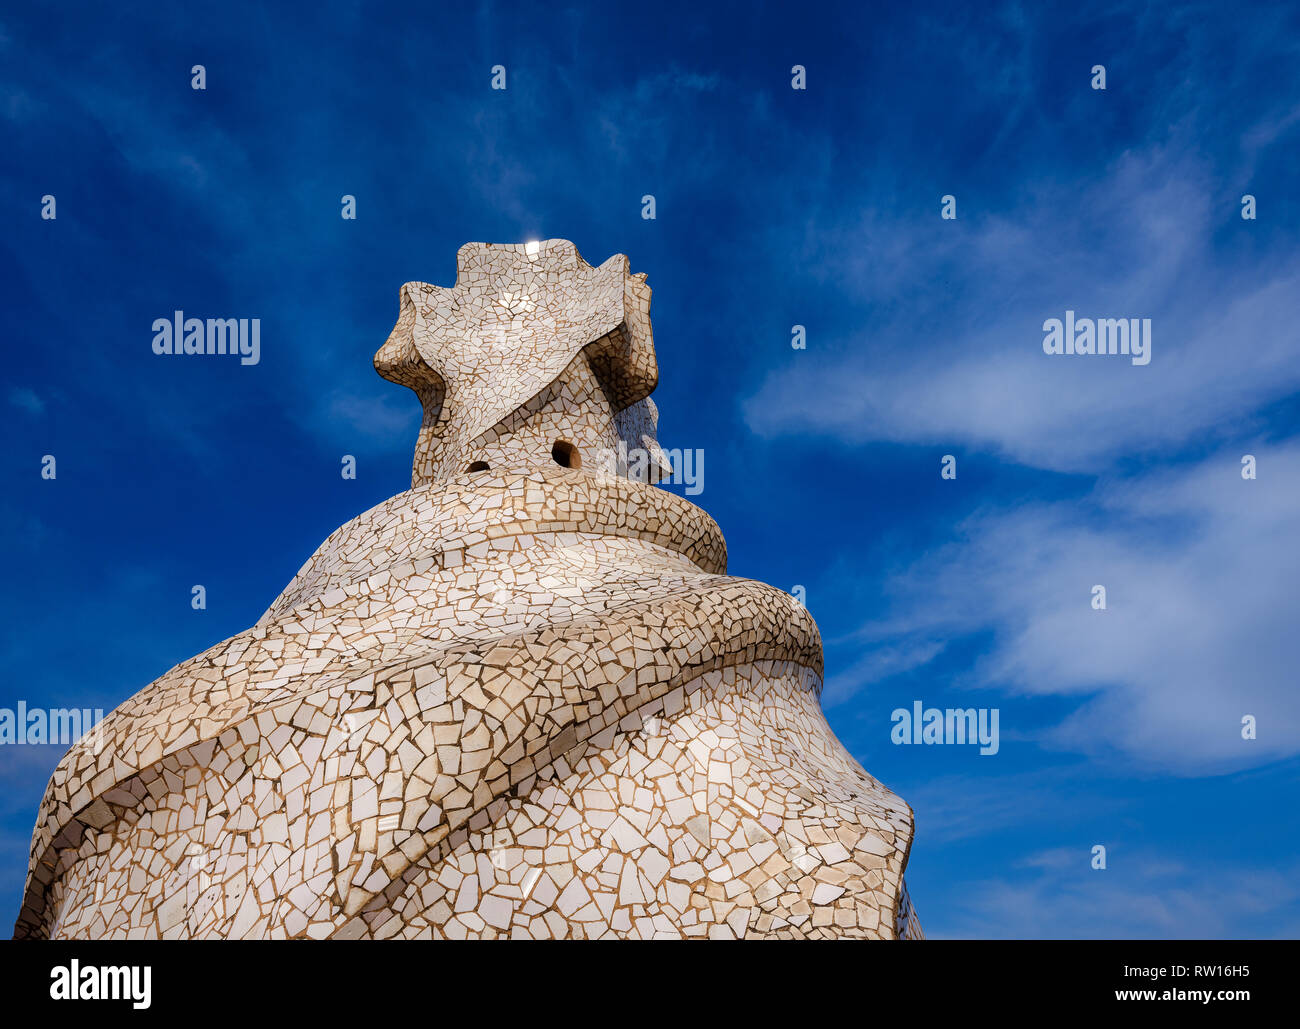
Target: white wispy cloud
(1142, 894)
(954, 808)
(1200, 568)
(879, 663)
(391, 416)
(26, 399)
(951, 352)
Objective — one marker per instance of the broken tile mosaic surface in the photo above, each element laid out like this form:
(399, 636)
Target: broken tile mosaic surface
(521, 699)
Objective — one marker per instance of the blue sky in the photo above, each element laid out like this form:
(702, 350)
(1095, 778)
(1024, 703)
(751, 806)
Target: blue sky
(775, 207)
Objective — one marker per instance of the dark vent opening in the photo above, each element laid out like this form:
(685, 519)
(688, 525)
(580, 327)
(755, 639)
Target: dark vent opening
(566, 454)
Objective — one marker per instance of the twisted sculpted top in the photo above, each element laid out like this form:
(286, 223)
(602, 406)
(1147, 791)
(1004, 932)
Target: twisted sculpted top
(522, 698)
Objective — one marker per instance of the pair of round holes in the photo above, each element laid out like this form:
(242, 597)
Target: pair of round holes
(563, 453)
